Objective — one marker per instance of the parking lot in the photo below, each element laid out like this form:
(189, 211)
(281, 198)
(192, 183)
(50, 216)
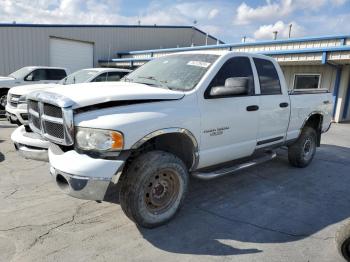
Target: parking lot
(272, 212)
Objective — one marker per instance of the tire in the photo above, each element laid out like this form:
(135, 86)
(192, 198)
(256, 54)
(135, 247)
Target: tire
(3, 98)
(342, 240)
(153, 188)
(301, 153)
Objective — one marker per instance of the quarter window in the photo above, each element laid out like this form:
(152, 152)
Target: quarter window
(268, 77)
(234, 67)
(310, 81)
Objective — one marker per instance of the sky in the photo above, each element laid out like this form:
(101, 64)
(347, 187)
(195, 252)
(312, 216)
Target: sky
(227, 20)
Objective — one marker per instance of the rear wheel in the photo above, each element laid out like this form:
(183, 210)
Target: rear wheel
(301, 153)
(153, 188)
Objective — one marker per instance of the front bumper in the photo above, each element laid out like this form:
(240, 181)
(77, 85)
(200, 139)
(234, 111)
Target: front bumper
(19, 114)
(30, 145)
(82, 176)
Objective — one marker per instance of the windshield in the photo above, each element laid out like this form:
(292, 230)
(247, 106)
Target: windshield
(21, 73)
(178, 72)
(80, 76)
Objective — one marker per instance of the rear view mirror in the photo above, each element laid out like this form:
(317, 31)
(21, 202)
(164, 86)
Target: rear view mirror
(234, 86)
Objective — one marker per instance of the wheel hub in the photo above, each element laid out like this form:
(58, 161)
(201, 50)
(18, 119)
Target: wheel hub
(161, 190)
(308, 148)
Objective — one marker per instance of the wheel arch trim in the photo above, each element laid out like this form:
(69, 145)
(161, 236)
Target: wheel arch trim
(172, 130)
(319, 132)
(310, 115)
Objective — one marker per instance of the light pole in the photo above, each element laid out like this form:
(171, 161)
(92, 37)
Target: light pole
(275, 35)
(290, 30)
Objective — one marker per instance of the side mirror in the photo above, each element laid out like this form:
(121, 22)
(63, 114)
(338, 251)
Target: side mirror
(234, 86)
(29, 77)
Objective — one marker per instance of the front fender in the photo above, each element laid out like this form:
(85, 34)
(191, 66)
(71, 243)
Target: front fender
(139, 122)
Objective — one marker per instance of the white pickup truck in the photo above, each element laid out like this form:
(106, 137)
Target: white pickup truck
(204, 113)
(27, 76)
(16, 107)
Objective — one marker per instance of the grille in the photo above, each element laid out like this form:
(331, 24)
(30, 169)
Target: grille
(36, 122)
(48, 120)
(33, 105)
(13, 100)
(54, 129)
(53, 111)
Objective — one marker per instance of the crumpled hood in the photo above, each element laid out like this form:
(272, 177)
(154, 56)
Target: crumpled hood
(26, 89)
(87, 94)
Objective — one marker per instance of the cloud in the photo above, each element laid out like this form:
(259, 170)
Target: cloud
(338, 2)
(103, 12)
(272, 10)
(266, 31)
(196, 10)
(61, 11)
(213, 13)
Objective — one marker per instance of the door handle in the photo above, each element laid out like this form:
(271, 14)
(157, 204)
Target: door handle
(326, 102)
(284, 104)
(252, 108)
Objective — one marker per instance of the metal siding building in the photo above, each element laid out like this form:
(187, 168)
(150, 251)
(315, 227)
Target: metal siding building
(326, 57)
(26, 45)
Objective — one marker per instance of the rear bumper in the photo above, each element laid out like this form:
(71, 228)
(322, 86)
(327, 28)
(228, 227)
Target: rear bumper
(30, 145)
(82, 176)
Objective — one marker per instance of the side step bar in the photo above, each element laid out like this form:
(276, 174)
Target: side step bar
(269, 155)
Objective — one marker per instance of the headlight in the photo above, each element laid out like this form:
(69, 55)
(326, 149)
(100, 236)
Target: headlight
(22, 100)
(99, 139)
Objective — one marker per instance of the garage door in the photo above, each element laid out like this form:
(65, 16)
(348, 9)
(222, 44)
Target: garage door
(73, 55)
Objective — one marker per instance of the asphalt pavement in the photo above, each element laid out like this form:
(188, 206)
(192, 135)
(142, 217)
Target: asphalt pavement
(271, 212)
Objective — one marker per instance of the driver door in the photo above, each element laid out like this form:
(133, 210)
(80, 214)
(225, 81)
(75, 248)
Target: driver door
(229, 124)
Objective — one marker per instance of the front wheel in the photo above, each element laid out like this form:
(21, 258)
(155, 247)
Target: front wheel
(153, 188)
(301, 153)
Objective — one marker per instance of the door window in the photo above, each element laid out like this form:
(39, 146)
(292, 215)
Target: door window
(110, 76)
(268, 77)
(37, 75)
(234, 67)
(101, 78)
(56, 74)
(115, 76)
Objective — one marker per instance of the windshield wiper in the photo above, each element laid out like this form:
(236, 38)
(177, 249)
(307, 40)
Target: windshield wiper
(160, 82)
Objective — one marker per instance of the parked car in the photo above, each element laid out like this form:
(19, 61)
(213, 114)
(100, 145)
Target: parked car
(34, 146)
(205, 114)
(16, 107)
(29, 75)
